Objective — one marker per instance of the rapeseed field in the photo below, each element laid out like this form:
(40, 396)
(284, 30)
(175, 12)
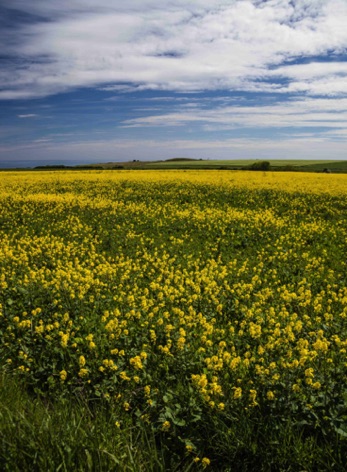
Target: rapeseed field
(195, 301)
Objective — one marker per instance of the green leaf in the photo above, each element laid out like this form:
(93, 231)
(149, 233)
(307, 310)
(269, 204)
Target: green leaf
(341, 432)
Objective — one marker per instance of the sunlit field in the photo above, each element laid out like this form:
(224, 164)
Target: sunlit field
(207, 309)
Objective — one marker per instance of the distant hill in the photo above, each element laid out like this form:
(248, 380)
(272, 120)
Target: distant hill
(188, 163)
(181, 159)
(293, 165)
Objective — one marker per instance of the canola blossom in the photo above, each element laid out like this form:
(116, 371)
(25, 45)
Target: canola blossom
(178, 294)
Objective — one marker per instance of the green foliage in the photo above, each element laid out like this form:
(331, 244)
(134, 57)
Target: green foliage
(69, 434)
(262, 165)
(72, 434)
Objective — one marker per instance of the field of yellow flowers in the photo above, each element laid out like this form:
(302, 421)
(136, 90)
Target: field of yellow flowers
(191, 299)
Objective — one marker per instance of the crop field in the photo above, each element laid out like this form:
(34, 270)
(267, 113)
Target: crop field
(203, 163)
(302, 165)
(208, 309)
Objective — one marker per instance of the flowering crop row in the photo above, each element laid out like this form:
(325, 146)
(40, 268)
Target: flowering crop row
(179, 294)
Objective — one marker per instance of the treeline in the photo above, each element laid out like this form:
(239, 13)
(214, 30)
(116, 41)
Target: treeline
(60, 166)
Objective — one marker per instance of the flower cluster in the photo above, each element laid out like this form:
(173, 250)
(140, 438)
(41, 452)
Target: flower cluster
(177, 292)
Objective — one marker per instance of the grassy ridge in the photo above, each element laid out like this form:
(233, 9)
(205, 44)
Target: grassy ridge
(308, 165)
(303, 165)
(182, 163)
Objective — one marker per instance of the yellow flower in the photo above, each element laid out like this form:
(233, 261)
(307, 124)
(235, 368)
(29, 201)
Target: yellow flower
(63, 375)
(64, 340)
(309, 372)
(166, 426)
(252, 397)
(123, 376)
(82, 361)
(83, 373)
(205, 462)
(39, 329)
(136, 362)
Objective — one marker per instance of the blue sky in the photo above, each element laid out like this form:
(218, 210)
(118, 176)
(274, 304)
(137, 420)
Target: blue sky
(96, 81)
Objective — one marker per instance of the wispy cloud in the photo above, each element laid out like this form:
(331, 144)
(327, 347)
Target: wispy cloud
(29, 115)
(300, 147)
(175, 45)
(305, 112)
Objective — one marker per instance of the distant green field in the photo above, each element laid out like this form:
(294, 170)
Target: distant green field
(335, 166)
(304, 165)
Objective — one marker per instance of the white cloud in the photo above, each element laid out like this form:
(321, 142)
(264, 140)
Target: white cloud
(176, 45)
(29, 115)
(312, 70)
(306, 112)
(316, 78)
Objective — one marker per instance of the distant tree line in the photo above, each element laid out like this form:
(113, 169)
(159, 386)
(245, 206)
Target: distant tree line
(60, 166)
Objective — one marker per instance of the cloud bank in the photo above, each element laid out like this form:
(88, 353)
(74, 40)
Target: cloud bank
(283, 46)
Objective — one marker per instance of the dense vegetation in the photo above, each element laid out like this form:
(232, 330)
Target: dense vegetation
(173, 321)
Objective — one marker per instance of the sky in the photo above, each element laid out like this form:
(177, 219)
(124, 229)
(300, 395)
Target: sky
(86, 81)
